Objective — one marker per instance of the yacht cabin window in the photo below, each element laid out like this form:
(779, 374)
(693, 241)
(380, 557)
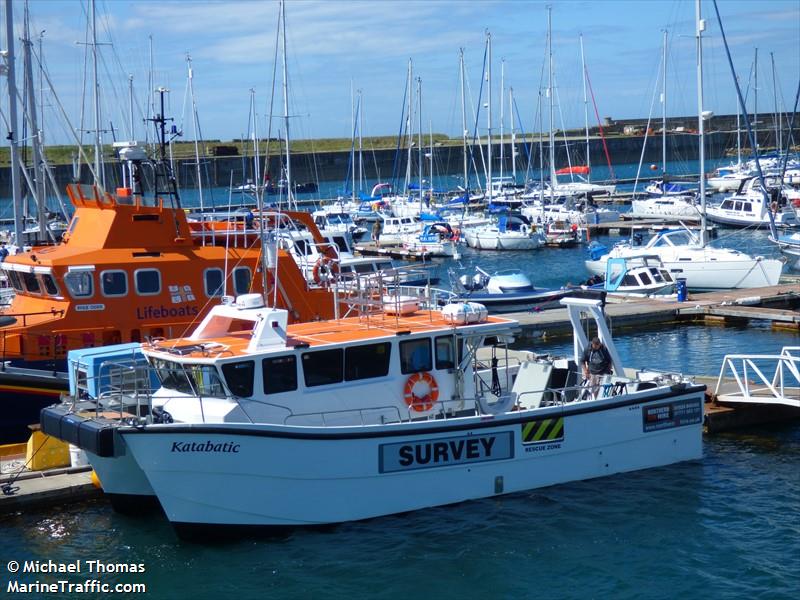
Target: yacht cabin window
(748, 207)
(239, 377)
(323, 367)
(279, 374)
(367, 361)
(80, 284)
(148, 282)
(114, 283)
(415, 356)
(212, 279)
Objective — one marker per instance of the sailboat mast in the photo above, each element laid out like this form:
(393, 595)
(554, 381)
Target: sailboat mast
(12, 124)
(513, 134)
(409, 134)
(98, 134)
(196, 128)
(352, 173)
(778, 124)
(585, 112)
(700, 28)
(738, 133)
(419, 138)
(552, 140)
(489, 113)
(36, 142)
(755, 104)
(256, 154)
(664, 115)
(463, 119)
(289, 193)
(360, 142)
(502, 112)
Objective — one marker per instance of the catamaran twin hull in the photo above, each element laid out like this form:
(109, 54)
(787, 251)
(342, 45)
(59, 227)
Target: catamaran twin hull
(272, 475)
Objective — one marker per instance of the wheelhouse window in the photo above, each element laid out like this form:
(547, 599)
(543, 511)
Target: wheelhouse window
(446, 357)
(322, 367)
(415, 356)
(366, 362)
(213, 281)
(31, 283)
(80, 284)
(193, 379)
(148, 282)
(239, 377)
(279, 374)
(16, 282)
(241, 280)
(114, 283)
(50, 285)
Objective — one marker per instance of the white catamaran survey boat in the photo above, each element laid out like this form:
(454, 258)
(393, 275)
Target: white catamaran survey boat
(260, 423)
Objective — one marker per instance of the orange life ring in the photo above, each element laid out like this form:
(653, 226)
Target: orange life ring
(325, 270)
(421, 403)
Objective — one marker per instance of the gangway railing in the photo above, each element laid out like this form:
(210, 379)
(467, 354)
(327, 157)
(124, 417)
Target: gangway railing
(761, 378)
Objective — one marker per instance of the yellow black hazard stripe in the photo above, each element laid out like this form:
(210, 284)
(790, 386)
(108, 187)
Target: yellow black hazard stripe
(543, 430)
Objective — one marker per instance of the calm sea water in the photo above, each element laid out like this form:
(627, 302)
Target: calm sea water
(727, 526)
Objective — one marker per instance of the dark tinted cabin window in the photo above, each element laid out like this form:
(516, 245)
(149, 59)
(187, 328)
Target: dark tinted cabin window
(446, 354)
(31, 283)
(365, 362)
(241, 280)
(50, 285)
(148, 282)
(16, 283)
(239, 377)
(114, 283)
(646, 278)
(280, 374)
(213, 282)
(415, 356)
(748, 207)
(322, 367)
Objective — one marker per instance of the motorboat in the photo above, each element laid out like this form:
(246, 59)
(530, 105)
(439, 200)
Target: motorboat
(560, 234)
(668, 206)
(257, 422)
(752, 206)
(504, 291)
(642, 275)
(436, 239)
(510, 232)
(703, 267)
(338, 223)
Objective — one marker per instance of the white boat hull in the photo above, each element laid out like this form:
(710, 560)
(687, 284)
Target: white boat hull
(702, 274)
(482, 240)
(277, 476)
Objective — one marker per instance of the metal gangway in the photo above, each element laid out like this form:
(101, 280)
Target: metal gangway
(761, 378)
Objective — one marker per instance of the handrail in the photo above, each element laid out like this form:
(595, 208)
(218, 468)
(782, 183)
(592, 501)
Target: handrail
(746, 367)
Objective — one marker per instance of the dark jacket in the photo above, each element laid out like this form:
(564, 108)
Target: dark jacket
(599, 360)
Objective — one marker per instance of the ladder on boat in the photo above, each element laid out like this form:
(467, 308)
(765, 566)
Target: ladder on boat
(761, 378)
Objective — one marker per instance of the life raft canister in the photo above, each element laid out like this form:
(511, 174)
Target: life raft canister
(325, 270)
(421, 403)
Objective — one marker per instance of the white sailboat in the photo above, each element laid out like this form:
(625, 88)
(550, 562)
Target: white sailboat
(686, 255)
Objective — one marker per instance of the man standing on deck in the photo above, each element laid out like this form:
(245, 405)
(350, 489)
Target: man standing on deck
(596, 362)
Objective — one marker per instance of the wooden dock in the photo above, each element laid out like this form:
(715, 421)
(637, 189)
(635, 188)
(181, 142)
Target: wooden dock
(643, 312)
(41, 489)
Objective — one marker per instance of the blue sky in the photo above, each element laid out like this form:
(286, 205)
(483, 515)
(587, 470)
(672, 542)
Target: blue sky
(332, 43)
